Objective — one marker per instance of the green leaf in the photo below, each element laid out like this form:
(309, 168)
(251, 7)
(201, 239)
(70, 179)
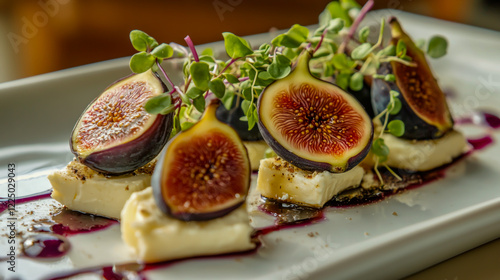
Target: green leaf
(247, 93)
(156, 104)
(361, 51)
(363, 34)
(437, 47)
(231, 78)
(343, 80)
(394, 93)
(194, 92)
(356, 81)
(278, 71)
(342, 62)
(390, 78)
(349, 4)
(207, 52)
(396, 128)
(185, 98)
(163, 51)
(141, 62)
(395, 107)
(236, 47)
(335, 25)
(252, 117)
(283, 60)
(401, 48)
(217, 87)
(293, 38)
(200, 74)
(227, 100)
(379, 148)
(389, 50)
(336, 11)
(139, 40)
(245, 105)
(290, 53)
(199, 103)
(264, 75)
(168, 110)
(186, 125)
(206, 58)
(177, 126)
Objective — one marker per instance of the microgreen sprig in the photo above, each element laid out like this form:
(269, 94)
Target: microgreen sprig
(249, 70)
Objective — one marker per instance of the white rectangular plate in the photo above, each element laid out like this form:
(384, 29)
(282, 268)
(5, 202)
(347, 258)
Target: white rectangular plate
(433, 222)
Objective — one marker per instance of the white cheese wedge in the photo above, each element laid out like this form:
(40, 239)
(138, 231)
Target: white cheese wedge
(256, 151)
(282, 181)
(81, 189)
(423, 155)
(155, 237)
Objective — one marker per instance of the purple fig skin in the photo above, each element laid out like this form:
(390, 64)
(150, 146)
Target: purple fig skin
(129, 156)
(156, 183)
(415, 127)
(306, 164)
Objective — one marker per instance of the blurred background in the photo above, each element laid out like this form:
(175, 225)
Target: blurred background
(40, 36)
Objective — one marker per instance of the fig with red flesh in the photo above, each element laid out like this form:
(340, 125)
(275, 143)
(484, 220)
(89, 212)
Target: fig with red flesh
(115, 135)
(424, 109)
(204, 172)
(313, 124)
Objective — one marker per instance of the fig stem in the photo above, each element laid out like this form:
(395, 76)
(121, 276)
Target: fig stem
(366, 8)
(192, 48)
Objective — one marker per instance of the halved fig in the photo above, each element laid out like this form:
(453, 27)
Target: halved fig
(204, 172)
(313, 124)
(115, 134)
(424, 109)
(232, 117)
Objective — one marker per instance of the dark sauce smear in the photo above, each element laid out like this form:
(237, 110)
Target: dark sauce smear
(67, 222)
(134, 270)
(45, 245)
(481, 143)
(5, 202)
(481, 118)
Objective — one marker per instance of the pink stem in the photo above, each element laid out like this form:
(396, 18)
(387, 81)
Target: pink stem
(166, 77)
(366, 8)
(191, 47)
(320, 40)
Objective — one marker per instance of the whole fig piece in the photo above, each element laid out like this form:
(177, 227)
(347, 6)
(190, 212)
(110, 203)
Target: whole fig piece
(115, 134)
(313, 124)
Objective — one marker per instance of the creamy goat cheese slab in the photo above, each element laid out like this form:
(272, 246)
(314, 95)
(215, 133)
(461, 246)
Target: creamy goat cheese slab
(82, 189)
(256, 151)
(282, 181)
(155, 236)
(424, 155)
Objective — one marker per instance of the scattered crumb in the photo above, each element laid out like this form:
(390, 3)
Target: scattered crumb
(366, 234)
(394, 213)
(313, 234)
